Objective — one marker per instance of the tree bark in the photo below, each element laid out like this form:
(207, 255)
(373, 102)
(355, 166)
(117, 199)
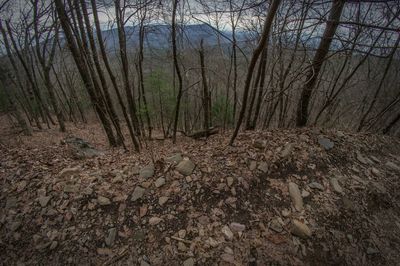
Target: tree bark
(322, 51)
(261, 45)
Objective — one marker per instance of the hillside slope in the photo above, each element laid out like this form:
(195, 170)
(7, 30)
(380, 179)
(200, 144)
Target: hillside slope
(289, 197)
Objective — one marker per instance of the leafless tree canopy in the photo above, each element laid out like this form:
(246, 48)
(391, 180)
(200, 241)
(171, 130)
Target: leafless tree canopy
(145, 66)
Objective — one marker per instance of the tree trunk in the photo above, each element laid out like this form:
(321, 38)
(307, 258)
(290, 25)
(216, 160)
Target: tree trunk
(261, 45)
(177, 69)
(322, 51)
(206, 94)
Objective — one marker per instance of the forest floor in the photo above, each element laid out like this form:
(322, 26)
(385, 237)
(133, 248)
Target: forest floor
(279, 197)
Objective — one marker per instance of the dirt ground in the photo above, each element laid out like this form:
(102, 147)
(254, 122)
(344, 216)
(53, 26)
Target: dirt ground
(234, 208)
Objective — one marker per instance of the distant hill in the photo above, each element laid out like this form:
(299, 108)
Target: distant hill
(159, 36)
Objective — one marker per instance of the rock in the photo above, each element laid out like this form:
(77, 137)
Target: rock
(227, 233)
(182, 247)
(11, 203)
(326, 143)
(305, 193)
(162, 200)
(82, 148)
(69, 171)
(287, 150)
(118, 179)
(259, 144)
(340, 134)
(144, 263)
(176, 158)
(296, 196)
(189, 262)
(137, 193)
(139, 235)
(229, 181)
(228, 258)
(21, 185)
(143, 211)
(348, 204)
(110, 239)
(285, 213)
(375, 171)
(103, 201)
(147, 171)
(375, 159)
(237, 227)
(182, 233)
(300, 229)
(316, 185)
(214, 243)
(372, 251)
(185, 167)
(70, 189)
(263, 167)
(393, 166)
(335, 184)
(276, 226)
(253, 165)
(204, 220)
(53, 245)
(43, 201)
(159, 182)
(154, 220)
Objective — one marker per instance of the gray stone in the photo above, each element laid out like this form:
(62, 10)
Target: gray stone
(393, 166)
(43, 201)
(139, 235)
(69, 171)
(110, 239)
(340, 134)
(70, 188)
(82, 148)
(335, 185)
(316, 185)
(300, 229)
(189, 262)
(162, 200)
(375, 171)
(137, 193)
(53, 245)
(229, 181)
(263, 167)
(237, 227)
(185, 167)
(326, 143)
(144, 263)
(159, 182)
(227, 232)
(103, 201)
(176, 158)
(11, 203)
(276, 226)
(147, 171)
(372, 251)
(287, 150)
(253, 165)
(305, 193)
(296, 196)
(259, 144)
